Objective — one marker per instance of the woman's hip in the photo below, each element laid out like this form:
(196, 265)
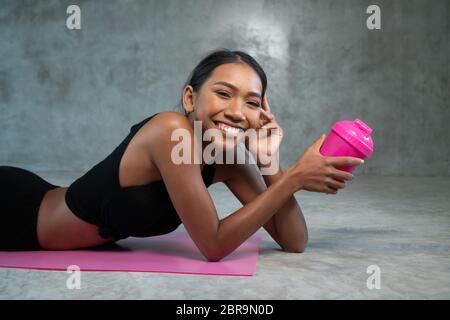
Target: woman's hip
(21, 194)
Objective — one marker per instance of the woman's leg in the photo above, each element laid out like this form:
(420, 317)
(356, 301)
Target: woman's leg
(21, 193)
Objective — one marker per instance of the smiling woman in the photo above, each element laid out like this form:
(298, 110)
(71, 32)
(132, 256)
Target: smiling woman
(139, 190)
(206, 67)
(229, 88)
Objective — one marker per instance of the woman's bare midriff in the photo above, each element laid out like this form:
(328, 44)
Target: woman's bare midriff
(58, 228)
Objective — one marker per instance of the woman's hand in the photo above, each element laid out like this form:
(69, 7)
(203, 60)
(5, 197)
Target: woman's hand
(315, 172)
(265, 143)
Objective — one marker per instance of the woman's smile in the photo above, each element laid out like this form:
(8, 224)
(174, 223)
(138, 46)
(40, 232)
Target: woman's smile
(228, 129)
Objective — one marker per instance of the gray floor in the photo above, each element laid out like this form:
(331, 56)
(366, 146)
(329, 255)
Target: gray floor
(400, 224)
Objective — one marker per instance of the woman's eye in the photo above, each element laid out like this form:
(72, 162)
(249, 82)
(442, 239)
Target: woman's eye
(255, 104)
(224, 94)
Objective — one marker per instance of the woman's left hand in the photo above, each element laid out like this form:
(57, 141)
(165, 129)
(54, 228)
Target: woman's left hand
(268, 136)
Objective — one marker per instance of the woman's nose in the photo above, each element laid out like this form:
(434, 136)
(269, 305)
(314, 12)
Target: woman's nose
(234, 111)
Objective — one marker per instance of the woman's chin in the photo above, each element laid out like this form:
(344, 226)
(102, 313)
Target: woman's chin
(224, 146)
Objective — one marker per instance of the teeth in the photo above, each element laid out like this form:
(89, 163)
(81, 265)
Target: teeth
(229, 129)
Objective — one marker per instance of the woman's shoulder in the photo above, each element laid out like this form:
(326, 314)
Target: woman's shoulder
(170, 120)
(158, 131)
(162, 124)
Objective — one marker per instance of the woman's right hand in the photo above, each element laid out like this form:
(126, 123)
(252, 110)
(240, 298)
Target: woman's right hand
(317, 173)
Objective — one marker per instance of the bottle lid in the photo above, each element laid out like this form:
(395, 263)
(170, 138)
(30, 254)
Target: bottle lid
(357, 133)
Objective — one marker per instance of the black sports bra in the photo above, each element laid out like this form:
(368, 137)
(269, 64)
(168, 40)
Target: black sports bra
(120, 212)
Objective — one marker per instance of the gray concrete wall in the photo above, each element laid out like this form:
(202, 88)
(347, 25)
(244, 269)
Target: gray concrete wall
(68, 97)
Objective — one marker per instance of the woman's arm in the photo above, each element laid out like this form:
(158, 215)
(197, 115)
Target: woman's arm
(289, 221)
(260, 205)
(217, 238)
(192, 201)
(287, 226)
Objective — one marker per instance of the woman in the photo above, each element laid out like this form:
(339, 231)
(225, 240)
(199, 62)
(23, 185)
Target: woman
(139, 190)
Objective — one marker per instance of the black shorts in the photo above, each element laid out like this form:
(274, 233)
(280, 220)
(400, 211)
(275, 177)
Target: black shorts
(21, 193)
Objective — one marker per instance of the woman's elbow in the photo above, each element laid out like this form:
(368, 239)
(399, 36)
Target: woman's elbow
(297, 249)
(213, 255)
(213, 258)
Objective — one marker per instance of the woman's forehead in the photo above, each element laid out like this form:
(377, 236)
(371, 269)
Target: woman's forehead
(240, 75)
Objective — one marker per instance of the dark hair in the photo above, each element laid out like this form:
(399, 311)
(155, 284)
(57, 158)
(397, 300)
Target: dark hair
(216, 58)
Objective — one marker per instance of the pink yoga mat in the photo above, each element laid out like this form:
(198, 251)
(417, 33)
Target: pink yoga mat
(170, 253)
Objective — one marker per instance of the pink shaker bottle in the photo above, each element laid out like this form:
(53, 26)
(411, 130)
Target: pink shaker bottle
(348, 138)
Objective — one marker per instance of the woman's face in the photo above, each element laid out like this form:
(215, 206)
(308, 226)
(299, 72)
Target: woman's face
(231, 97)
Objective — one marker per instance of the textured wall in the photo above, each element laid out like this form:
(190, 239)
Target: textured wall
(68, 97)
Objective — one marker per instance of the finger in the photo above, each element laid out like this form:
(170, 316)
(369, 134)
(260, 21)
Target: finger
(318, 143)
(267, 114)
(345, 161)
(266, 118)
(330, 190)
(271, 125)
(341, 175)
(266, 104)
(273, 129)
(335, 184)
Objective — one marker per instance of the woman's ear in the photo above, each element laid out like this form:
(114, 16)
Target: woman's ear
(188, 99)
